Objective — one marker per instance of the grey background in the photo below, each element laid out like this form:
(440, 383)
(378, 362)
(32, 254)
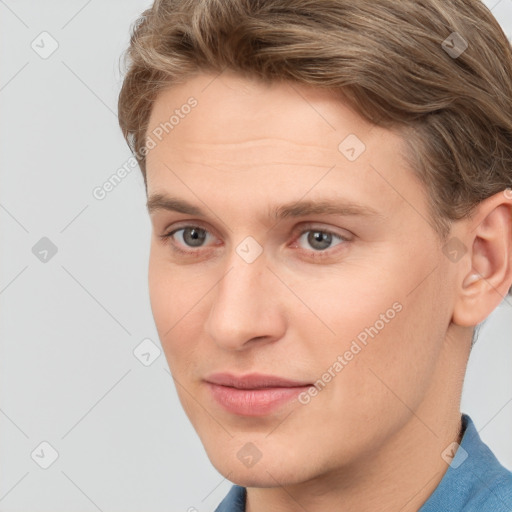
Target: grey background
(68, 375)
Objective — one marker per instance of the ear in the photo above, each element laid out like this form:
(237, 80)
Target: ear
(488, 239)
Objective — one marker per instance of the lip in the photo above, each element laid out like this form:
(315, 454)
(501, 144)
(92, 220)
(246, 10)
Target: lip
(253, 394)
(254, 381)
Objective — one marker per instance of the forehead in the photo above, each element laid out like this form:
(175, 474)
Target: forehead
(246, 135)
(249, 113)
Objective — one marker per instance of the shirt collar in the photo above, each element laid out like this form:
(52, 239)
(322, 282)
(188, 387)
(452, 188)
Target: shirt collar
(474, 478)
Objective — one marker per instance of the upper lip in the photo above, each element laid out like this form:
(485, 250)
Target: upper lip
(253, 381)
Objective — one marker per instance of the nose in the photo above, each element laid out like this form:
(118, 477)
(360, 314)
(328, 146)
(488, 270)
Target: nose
(246, 308)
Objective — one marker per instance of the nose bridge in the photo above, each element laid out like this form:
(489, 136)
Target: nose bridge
(242, 309)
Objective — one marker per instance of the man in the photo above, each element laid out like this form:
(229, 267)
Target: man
(329, 189)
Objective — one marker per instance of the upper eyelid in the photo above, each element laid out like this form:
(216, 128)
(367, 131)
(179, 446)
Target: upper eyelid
(176, 227)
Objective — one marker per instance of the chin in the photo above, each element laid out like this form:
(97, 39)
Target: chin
(257, 477)
(267, 472)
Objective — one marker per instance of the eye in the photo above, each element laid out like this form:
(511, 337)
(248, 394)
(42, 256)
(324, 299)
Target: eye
(188, 237)
(314, 241)
(319, 239)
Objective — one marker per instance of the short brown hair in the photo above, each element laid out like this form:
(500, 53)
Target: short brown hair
(390, 60)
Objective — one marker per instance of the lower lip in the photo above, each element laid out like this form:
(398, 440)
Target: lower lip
(253, 402)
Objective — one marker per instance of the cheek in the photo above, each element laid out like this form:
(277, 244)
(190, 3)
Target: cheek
(173, 291)
(389, 364)
(161, 293)
(381, 329)
(177, 311)
(169, 299)
(397, 364)
(177, 303)
(355, 302)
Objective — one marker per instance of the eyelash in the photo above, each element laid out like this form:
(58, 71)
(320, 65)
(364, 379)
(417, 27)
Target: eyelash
(318, 254)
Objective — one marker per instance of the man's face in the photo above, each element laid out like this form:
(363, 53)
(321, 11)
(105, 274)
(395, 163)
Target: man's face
(354, 297)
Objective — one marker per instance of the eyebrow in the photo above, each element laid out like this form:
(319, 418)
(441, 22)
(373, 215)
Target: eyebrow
(294, 209)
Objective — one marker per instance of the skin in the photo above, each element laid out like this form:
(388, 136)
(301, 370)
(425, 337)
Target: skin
(372, 438)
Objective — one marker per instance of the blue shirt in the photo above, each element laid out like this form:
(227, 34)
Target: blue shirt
(474, 482)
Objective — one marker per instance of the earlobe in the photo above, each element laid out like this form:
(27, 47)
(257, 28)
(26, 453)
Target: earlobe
(489, 236)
